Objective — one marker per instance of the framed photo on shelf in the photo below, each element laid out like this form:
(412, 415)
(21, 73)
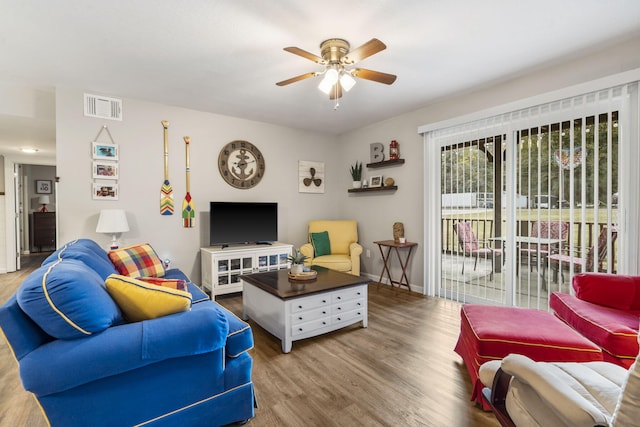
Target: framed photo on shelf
(375, 181)
(102, 191)
(103, 151)
(105, 170)
(43, 186)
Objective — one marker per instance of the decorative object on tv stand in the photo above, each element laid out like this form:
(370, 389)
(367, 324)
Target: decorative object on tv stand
(114, 222)
(394, 150)
(297, 260)
(44, 201)
(166, 191)
(398, 232)
(356, 174)
(188, 209)
(376, 150)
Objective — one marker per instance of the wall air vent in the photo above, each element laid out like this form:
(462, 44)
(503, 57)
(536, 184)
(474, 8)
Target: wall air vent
(102, 107)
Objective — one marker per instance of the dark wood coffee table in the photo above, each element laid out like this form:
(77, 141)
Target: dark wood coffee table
(294, 310)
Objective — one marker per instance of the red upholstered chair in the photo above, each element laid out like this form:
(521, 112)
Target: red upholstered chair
(470, 245)
(546, 230)
(605, 309)
(579, 263)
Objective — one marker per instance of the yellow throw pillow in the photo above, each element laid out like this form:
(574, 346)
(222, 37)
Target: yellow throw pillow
(139, 300)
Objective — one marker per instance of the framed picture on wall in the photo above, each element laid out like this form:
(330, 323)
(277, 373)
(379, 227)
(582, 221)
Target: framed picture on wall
(103, 151)
(102, 191)
(105, 170)
(43, 186)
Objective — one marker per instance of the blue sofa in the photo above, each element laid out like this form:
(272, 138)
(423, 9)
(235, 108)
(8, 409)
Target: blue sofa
(190, 368)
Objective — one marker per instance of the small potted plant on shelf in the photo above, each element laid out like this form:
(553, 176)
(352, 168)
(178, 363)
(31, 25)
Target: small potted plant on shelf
(297, 260)
(356, 174)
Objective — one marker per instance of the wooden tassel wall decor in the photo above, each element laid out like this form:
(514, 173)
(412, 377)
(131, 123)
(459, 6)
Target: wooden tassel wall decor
(188, 210)
(166, 191)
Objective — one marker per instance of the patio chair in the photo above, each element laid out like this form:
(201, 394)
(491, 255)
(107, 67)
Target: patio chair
(577, 263)
(546, 230)
(470, 246)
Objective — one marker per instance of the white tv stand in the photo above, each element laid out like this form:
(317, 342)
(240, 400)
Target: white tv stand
(221, 268)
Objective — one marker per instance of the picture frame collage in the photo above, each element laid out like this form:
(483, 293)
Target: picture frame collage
(105, 170)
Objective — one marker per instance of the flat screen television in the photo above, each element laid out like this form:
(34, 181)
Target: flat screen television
(234, 223)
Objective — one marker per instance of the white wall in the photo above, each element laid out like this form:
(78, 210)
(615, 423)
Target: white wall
(377, 212)
(140, 139)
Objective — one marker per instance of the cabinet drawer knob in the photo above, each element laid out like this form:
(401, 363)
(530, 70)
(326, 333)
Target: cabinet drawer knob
(299, 317)
(299, 306)
(339, 318)
(324, 323)
(300, 329)
(324, 301)
(339, 308)
(339, 297)
(324, 312)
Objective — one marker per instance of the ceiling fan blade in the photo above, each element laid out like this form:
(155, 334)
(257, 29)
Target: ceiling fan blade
(336, 91)
(375, 76)
(371, 47)
(308, 55)
(296, 79)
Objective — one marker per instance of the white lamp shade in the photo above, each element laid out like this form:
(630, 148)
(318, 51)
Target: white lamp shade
(44, 200)
(330, 78)
(112, 221)
(347, 82)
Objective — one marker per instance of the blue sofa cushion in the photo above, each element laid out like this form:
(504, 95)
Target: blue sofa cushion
(87, 251)
(240, 336)
(197, 295)
(68, 300)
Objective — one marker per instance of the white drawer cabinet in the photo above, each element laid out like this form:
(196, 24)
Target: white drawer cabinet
(319, 314)
(331, 301)
(221, 268)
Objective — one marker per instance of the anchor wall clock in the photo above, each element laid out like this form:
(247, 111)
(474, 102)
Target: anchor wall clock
(241, 164)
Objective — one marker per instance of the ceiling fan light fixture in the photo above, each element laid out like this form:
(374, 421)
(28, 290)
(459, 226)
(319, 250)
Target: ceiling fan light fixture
(336, 56)
(330, 78)
(347, 81)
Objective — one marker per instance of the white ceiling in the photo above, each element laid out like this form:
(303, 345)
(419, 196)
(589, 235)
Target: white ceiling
(226, 56)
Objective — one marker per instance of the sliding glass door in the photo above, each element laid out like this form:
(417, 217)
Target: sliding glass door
(529, 199)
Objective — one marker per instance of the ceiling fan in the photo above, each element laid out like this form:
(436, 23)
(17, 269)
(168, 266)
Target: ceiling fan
(337, 60)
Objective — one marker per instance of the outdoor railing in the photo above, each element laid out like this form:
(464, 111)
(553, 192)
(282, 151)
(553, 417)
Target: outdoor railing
(483, 229)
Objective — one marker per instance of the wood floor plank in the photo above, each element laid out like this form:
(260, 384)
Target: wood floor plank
(400, 371)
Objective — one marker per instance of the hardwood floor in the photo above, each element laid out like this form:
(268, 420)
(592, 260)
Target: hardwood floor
(400, 371)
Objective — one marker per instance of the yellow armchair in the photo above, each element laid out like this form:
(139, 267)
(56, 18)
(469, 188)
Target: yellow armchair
(343, 240)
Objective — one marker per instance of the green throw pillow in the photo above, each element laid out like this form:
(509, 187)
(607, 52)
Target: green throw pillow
(320, 242)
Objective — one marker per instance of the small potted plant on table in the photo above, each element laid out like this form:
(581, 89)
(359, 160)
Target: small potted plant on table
(297, 260)
(356, 174)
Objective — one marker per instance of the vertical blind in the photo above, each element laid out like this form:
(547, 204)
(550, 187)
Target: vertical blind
(558, 162)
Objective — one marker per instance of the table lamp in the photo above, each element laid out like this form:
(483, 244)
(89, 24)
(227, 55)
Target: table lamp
(44, 201)
(112, 221)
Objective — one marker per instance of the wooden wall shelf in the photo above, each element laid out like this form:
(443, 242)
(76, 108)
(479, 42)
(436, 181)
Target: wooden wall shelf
(365, 190)
(385, 163)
